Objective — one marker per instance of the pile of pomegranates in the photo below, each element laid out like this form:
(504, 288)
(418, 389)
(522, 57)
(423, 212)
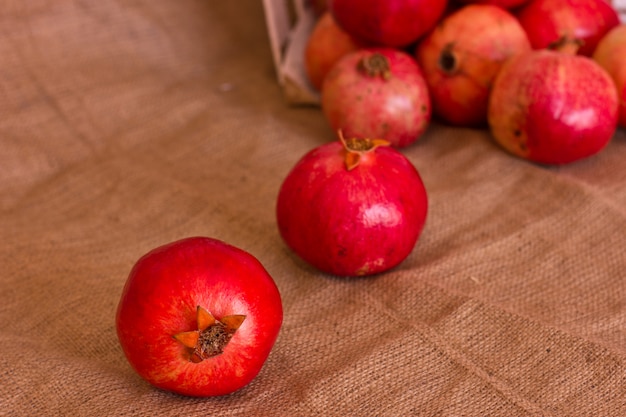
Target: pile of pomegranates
(546, 77)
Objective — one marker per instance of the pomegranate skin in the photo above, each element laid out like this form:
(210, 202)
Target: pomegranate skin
(547, 21)
(397, 109)
(552, 108)
(327, 43)
(393, 23)
(462, 56)
(610, 54)
(354, 222)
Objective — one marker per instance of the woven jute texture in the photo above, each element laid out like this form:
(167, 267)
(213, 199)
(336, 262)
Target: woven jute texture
(127, 125)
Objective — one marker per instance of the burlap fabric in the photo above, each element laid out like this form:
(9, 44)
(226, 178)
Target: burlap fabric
(126, 125)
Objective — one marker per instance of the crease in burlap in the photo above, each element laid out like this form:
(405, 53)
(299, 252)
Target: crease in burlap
(127, 125)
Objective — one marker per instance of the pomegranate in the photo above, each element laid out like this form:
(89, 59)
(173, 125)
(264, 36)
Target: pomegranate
(549, 21)
(611, 55)
(552, 107)
(352, 207)
(461, 57)
(377, 93)
(326, 44)
(198, 317)
(393, 23)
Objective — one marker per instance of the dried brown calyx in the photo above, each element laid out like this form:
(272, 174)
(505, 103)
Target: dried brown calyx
(212, 335)
(356, 147)
(375, 65)
(566, 44)
(448, 61)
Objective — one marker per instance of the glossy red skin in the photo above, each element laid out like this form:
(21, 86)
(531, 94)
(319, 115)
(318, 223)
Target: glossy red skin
(610, 54)
(546, 21)
(553, 108)
(352, 223)
(394, 23)
(397, 110)
(160, 298)
(326, 44)
(481, 38)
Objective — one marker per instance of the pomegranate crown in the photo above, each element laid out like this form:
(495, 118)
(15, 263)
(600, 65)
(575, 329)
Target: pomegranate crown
(375, 65)
(356, 147)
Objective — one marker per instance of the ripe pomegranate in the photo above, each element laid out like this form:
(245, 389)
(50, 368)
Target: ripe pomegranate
(610, 54)
(549, 21)
(198, 317)
(352, 207)
(552, 107)
(326, 44)
(394, 23)
(377, 93)
(461, 57)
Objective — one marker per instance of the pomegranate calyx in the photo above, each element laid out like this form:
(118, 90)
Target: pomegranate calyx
(448, 61)
(566, 44)
(375, 65)
(212, 335)
(188, 339)
(356, 147)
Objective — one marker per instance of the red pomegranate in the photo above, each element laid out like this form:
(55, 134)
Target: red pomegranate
(395, 23)
(377, 93)
(326, 44)
(198, 317)
(549, 21)
(611, 55)
(552, 107)
(352, 207)
(461, 57)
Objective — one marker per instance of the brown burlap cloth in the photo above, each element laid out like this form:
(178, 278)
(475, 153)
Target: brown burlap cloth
(126, 125)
